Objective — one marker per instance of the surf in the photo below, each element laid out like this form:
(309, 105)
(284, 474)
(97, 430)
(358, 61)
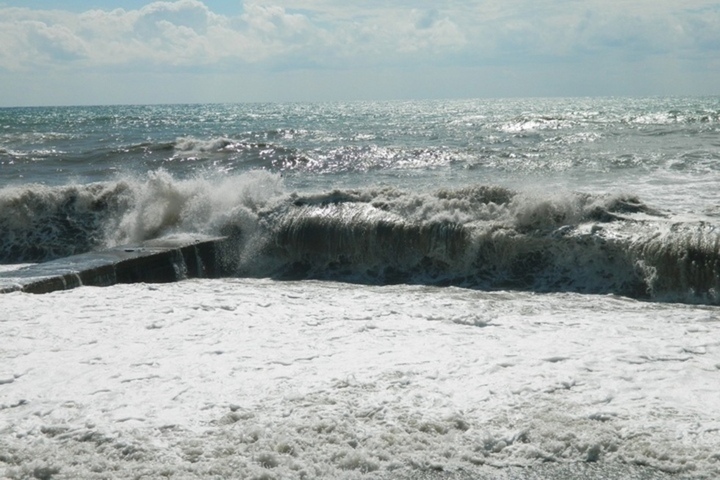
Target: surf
(483, 236)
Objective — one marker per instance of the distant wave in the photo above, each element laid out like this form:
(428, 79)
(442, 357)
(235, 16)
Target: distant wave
(672, 117)
(486, 237)
(541, 122)
(341, 159)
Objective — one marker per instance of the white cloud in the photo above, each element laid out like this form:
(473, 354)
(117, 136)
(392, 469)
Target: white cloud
(191, 14)
(186, 32)
(518, 37)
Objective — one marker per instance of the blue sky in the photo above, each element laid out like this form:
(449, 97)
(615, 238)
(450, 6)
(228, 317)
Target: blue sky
(134, 51)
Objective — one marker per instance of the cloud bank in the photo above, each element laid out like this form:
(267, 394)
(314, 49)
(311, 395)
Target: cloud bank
(187, 33)
(512, 43)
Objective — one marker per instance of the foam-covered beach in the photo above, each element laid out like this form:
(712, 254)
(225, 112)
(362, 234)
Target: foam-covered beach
(264, 379)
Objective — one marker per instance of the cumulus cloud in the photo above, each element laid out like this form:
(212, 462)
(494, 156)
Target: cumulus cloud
(184, 32)
(331, 33)
(187, 32)
(552, 40)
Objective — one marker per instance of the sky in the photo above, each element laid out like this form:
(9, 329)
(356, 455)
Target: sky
(73, 52)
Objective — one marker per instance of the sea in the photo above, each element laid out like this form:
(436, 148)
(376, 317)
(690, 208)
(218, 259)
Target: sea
(485, 288)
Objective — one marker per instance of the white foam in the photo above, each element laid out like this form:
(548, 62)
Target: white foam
(190, 145)
(256, 378)
(13, 267)
(165, 205)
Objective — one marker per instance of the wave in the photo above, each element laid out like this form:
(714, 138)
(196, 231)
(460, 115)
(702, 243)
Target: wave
(652, 122)
(493, 238)
(527, 123)
(675, 116)
(342, 159)
(40, 222)
(486, 237)
(283, 151)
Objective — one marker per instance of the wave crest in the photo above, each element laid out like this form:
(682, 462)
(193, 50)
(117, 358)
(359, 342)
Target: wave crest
(487, 237)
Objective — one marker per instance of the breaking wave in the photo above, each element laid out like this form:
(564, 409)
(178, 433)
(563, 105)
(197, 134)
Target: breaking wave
(486, 237)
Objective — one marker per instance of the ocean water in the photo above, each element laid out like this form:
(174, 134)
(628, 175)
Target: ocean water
(519, 288)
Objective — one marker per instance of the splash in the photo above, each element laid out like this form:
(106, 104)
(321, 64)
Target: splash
(41, 223)
(486, 237)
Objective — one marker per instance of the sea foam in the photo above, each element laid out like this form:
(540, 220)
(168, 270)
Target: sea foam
(485, 237)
